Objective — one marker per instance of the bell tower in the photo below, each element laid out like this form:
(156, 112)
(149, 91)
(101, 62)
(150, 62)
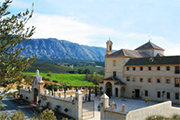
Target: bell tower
(109, 47)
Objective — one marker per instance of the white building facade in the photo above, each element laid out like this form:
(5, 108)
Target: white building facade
(143, 73)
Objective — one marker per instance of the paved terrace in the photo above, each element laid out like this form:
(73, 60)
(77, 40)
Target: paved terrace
(130, 104)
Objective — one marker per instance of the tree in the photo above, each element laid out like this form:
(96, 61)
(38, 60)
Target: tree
(86, 71)
(47, 115)
(15, 116)
(91, 78)
(80, 71)
(12, 32)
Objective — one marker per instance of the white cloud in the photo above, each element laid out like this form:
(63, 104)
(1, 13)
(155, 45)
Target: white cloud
(71, 29)
(67, 28)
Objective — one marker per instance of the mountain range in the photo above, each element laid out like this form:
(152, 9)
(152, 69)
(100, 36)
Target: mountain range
(52, 49)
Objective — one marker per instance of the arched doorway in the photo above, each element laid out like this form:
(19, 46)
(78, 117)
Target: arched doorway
(35, 95)
(122, 92)
(109, 89)
(116, 92)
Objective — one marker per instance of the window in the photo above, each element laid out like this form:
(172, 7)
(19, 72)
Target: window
(114, 62)
(177, 69)
(177, 96)
(167, 81)
(146, 93)
(128, 78)
(168, 95)
(141, 79)
(149, 68)
(158, 80)
(168, 68)
(158, 94)
(127, 68)
(141, 68)
(133, 80)
(158, 68)
(149, 80)
(176, 82)
(134, 68)
(114, 73)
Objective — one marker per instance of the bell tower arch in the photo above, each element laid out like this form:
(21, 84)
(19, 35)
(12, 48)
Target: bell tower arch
(109, 44)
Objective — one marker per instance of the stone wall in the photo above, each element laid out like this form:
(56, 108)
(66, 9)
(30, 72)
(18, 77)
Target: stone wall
(164, 109)
(64, 103)
(113, 115)
(74, 109)
(26, 93)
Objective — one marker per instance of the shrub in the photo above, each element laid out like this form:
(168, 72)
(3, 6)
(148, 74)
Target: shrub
(45, 79)
(49, 75)
(46, 115)
(18, 116)
(156, 117)
(55, 81)
(176, 117)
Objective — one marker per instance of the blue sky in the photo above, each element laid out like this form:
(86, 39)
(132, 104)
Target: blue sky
(128, 23)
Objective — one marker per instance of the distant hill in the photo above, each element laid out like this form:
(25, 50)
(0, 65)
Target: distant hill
(54, 50)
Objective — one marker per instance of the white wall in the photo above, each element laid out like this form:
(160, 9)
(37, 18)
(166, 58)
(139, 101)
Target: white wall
(62, 102)
(164, 109)
(152, 87)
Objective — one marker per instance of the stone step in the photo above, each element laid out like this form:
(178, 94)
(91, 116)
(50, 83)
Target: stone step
(87, 117)
(88, 113)
(89, 110)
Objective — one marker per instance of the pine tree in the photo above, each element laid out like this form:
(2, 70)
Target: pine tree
(12, 32)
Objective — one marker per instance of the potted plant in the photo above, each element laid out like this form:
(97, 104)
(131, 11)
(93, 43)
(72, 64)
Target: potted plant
(147, 101)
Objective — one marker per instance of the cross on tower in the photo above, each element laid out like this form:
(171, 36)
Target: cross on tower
(150, 38)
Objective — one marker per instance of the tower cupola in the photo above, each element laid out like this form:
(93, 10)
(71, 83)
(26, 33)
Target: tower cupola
(109, 44)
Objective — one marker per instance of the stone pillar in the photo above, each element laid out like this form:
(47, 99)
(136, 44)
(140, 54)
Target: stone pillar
(104, 104)
(71, 97)
(113, 90)
(65, 95)
(113, 106)
(122, 108)
(79, 105)
(52, 91)
(60, 94)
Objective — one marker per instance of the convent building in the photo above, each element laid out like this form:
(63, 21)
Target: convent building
(143, 73)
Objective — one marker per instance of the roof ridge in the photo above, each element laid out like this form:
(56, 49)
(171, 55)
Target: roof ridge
(124, 52)
(152, 45)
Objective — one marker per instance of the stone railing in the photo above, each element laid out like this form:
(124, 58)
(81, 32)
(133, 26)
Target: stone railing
(70, 106)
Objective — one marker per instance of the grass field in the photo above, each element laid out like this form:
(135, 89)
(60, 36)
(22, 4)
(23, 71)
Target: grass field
(69, 79)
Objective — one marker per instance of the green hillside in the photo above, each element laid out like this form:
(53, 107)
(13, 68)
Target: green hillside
(48, 67)
(69, 79)
(63, 67)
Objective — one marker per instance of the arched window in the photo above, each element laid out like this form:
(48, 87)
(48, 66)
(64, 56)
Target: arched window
(110, 48)
(114, 62)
